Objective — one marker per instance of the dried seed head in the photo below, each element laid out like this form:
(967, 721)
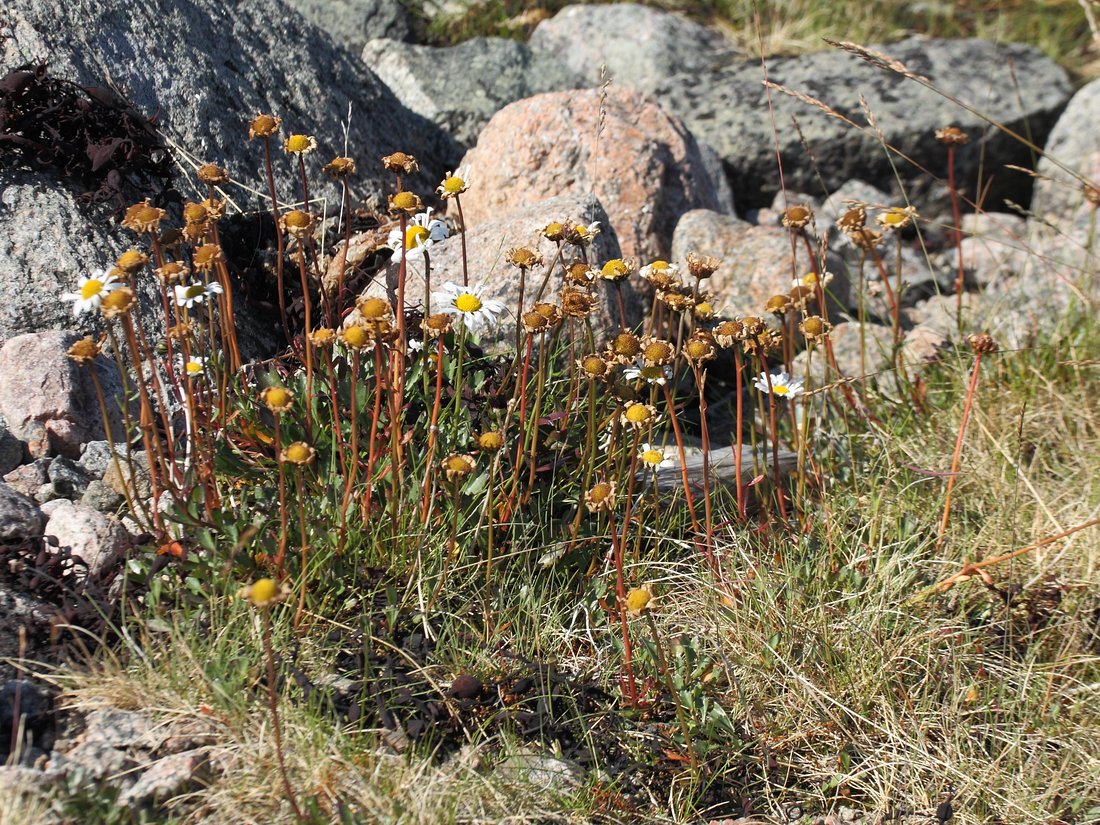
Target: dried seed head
(625, 347)
(664, 281)
(751, 326)
(439, 324)
(212, 174)
(866, 238)
(339, 168)
(173, 272)
(815, 328)
(600, 497)
(593, 366)
(551, 312)
(657, 353)
(406, 202)
(554, 231)
(853, 220)
(580, 234)
(206, 257)
(194, 213)
(458, 465)
(143, 218)
(982, 343)
(677, 300)
(700, 347)
(897, 217)
(523, 258)
(374, 309)
(298, 452)
(400, 162)
(323, 337)
(802, 296)
(298, 223)
(131, 261)
(117, 302)
(277, 399)
(578, 274)
(577, 303)
(263, 126)
(533, 322)
(702, 266)
(180, 331)
(952, 136)
(778, 304)
(726, 333)
(84, 351)
(797, 216)
(704, 309)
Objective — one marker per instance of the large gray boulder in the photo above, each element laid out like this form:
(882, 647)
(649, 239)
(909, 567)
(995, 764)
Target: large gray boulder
(460, 87)
(206, 67)
(351, 23)
(1014, 84)
(640, 46)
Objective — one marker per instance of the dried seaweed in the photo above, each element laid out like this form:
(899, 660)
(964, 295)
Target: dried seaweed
(88, 134)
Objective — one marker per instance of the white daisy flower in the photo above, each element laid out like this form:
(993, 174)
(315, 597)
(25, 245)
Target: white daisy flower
(661, 267)
(470, 304)
(781, 384)
(420, 235)
(195, 366)
(651, 375)
(90, 291)
(655, 457)
(810, 279)
(188, 296)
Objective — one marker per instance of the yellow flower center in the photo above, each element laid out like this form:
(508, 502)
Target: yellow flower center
(653, 457)
(415, 236)
(600, 492)
(91, 288)
(703, 309)
(298, 143)
(780, 389)
(278, 398)
(637, 599)
(404, 200)
(894, 217)
(637, 413)
(651, 373)
(355, 336)
(263, 591)
(697, 349)
(491, 440)
(658, 351)
(298, 452)
(809, 279)
(193, 367)
(659, 266)
(467, 302)
(374, 308)
(454, 185)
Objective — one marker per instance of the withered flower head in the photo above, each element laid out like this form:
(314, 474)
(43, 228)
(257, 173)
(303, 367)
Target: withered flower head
(212, 174)
(797, 216)
(664, 280)
(677, 300)
(490, 441)
(400, 162)
(277, 399)
(407, 202)
(458, 465)
(131, 261)
(982, 343)
(300, 144)
(439, 324)
(751, 326)
(778, 304)
(117, 302)
(952, 136)
(214, 207)
(624, 348)
(600, 497)
(577, 303)
(594, 366)
(702, 266)
(180, 331)
(616, 269)
(374, 309)
(84, 351)
(638, 600)
(263, 126)
(453, 185)
(802, 296)
(534, 322)
(523, 258)
(207, 256)
(173, 272)
(298, 223)
(339, 168)
(815, 328)
(143, 217)
(551, 312)
(298, 452)
(637, 415)
(580, 234)
(323, 337)
(657, 353)
(578, 274)
(853, 220)
(726, 333)
(554, 231)
(355, 336)
(700, 347)
(896, 217)
(194, 213)
(865, 238)
(704, 309)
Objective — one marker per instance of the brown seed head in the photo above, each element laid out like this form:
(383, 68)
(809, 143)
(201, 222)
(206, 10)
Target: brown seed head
(600, 497)
(815, 328)
(982, 343)
(577, 303)
(339, 168)
(657, 353)
(407, 202)
(207, 256)
(263, 126)
(439, 324)
(866, 238)
(84, 351)
(298, 223)
(594, 366)
(726, 333)
(677, 300)
(751, 326)
(664, 281)
(180, 331)
(625, 347)
(117, 303)
(797, 216)
(853, 220)
(523, 258)
(700, 347)
(952, 136)
(778, 304)
(1092, 194)
(173, 272)
(194, 213)
(802, 296)
(143, 218)
(212, 174)
(458, 465)
(551, 312)
(400, 162)
(702, 266)
(374, 309)
(131, 261)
